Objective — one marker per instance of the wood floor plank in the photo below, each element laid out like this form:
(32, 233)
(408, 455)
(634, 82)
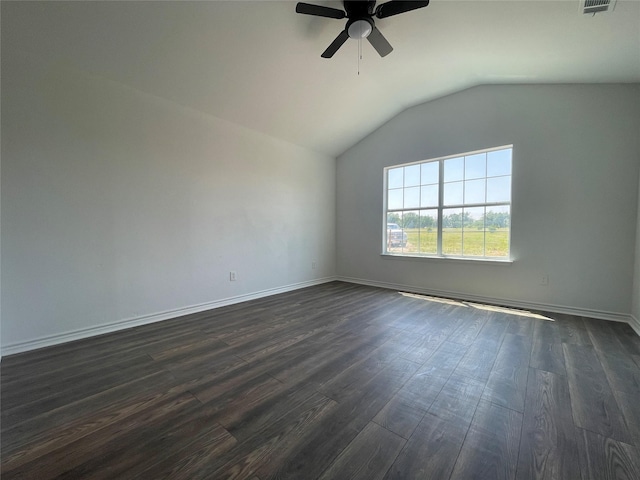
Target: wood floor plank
(243, 419)
(441, 318)
(548, 357)
(603, 336)
(443, 362)
(520, 325)
(40, 388)
(204, 362)
(402, 414)
(261, 454)
(43, 427)
(458, 399)
(19, 411)
(468, 329)
(571, 329)
(548, 448)
(494, 328)
(68, 430)
(507, 382)
(322, 365)
(374, 334)
(185, 464)
(309, 356)
(74, 455)
(478, 361)
(188, 349)
(490, 449)
(252, 390)
(592, 402)
(546, 332)
(367, 457)
(508, 388)
(405, 410)
(425, 346)
(514, 350)
(173, 437)
(603, 458)
(127, 343)
(319, 448)
(627, 337)
(431, 451)
(621, 371)
(355, 376)
(630, 408)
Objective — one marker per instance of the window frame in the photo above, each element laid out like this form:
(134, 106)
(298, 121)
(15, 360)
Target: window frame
(441, 207)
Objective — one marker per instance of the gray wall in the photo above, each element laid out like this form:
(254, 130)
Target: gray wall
(117, 205)
(574, 210)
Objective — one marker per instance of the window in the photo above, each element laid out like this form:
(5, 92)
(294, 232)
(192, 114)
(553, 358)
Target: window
(458, 206)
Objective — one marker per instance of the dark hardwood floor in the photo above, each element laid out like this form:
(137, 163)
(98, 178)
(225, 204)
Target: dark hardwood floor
(337, 381)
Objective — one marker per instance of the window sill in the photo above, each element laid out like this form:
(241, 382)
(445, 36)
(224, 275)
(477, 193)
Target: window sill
(491, 261)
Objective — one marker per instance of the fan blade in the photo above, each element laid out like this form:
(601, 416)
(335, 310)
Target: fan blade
(319, 11)
(377, 40)
(335, 45)
(395, 7)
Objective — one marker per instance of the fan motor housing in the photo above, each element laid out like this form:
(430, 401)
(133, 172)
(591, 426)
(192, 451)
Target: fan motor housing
(357, 9)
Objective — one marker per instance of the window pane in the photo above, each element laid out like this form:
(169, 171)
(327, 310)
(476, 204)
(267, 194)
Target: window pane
(499, 163)
(497, 225)
(499, 189)
(429, 196)
(394, 218)
(410, 220)
(396, 238)
(412, 176)
(473, 234)
(430, 173)
(428, 232)
(452, 231)
(394, 200)
(474, 191)
(453, 193)
(395, 177)
(453, 169)
(412, 197)
(475, 166)
(411, 227)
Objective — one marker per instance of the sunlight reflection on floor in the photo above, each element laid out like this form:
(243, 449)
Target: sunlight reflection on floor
(479, 306)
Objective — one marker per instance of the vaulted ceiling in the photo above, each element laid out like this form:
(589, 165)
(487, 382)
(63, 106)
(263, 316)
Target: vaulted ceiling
(258, 64)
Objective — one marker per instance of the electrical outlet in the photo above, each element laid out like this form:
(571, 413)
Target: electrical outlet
(232, 276)
(313, 265)
(544, 280)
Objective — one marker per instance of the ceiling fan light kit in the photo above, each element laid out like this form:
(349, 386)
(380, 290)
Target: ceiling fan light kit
(360, 29)
(360, 22)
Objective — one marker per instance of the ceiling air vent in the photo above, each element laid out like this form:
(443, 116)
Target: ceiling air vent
(597, 6)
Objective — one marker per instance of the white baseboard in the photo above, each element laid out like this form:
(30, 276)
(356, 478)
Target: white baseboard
(582, 312)
(169, 314)
(151, 318)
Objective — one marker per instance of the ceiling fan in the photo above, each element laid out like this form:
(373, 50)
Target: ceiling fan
(360, 22)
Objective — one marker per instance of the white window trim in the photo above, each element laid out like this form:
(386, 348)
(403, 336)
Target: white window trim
(441, 256)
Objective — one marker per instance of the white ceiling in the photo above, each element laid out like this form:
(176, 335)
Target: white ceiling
(257, 63)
